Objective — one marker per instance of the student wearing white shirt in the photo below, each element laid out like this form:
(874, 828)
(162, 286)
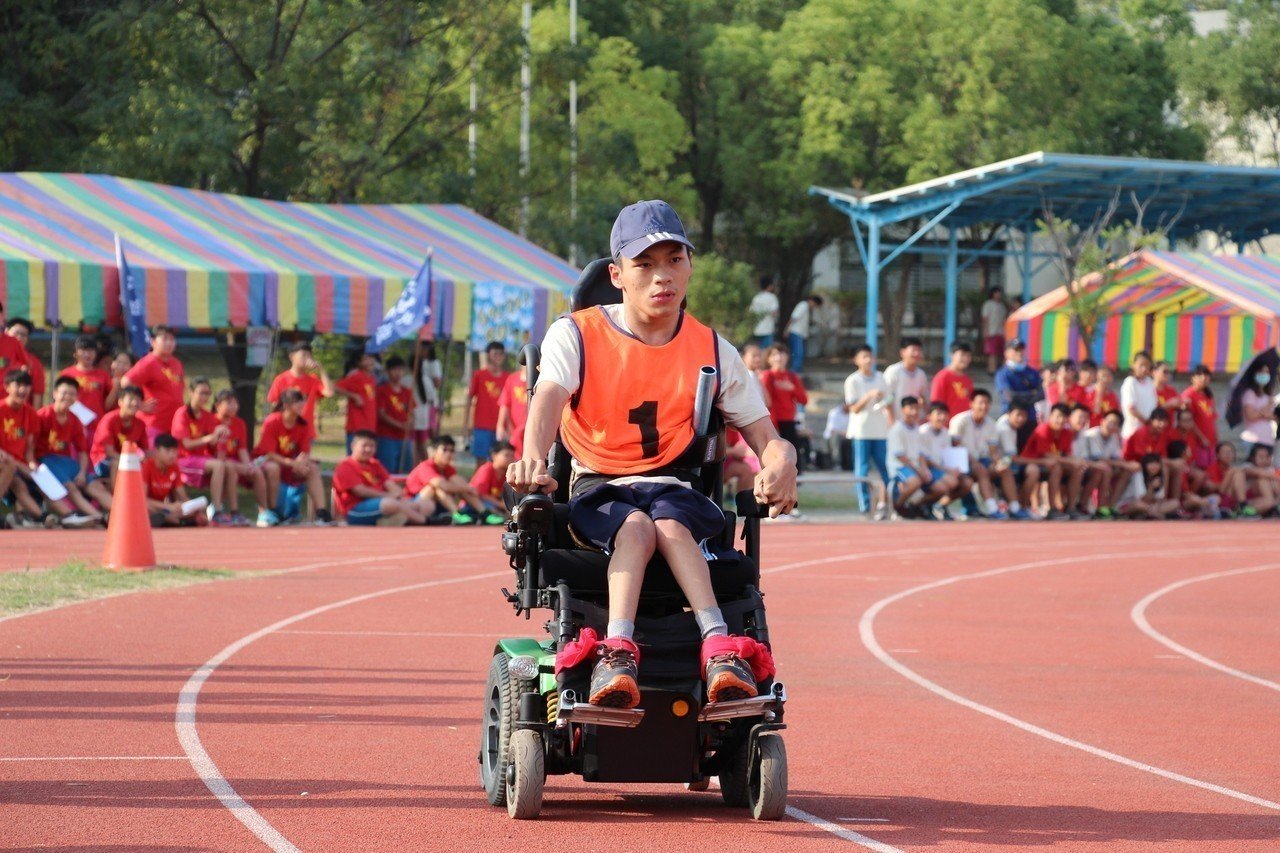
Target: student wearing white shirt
(907, 378)
(798, 329)
(948, 483)
(1102, 445)
(865, 399)
(764, 307)
(908, 472)
(1137, 394)
(976, 432)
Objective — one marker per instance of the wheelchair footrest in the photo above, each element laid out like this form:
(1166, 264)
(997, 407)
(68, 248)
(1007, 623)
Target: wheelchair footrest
(570, 710)
(768, 706)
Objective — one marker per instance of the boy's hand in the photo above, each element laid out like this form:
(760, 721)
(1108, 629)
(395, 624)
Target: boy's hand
(775, 485)
(530, 475)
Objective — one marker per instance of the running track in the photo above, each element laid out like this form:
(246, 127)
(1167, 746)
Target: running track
(963, 686)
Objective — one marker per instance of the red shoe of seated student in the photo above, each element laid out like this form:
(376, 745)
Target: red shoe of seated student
(732, 666)
(613, 680)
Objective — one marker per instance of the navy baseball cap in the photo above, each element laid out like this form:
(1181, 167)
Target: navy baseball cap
(1015, 343)
(643, 224)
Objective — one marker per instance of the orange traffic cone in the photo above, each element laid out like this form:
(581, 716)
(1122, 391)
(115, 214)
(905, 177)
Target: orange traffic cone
(129, 545)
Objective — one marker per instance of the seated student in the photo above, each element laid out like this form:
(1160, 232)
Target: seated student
(97, 392)
(435, 479)
(1260, 474)
(365, 493)
(975, 431)
(1013, 430)
(395, 418)
(1065, 387)
(1193, 503)
(934, 439)
(61, 447)
(18, 426)
(112, 431)
(1097, 472)
(286, 441)
(233, 452)
(360, 387)
(1103, 446)
(1232, 485)
(199, 432)
(490, 477)
(1101, 396)
(162, 482)
(1050, 444)
(908, 473)
(1185, 430)
(1153, 438)
(1153, 500)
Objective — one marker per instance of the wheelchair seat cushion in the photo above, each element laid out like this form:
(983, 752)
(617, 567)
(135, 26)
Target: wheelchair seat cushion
(585, 571)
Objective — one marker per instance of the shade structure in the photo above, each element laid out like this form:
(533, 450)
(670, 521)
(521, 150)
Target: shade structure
(1187, 309)
(211, 260)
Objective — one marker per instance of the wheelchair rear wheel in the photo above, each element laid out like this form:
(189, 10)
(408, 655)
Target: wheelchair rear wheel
(501, 707)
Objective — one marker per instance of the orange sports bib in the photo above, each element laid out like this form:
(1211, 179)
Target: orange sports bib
(633, 412)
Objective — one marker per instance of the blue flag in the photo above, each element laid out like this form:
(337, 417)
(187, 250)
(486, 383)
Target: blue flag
(132, 308)
(411, 311)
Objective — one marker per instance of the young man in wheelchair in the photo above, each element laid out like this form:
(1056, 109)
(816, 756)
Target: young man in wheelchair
(618, 383)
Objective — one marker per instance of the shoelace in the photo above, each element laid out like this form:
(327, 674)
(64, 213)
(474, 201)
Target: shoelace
(729, 659)
(614, 656)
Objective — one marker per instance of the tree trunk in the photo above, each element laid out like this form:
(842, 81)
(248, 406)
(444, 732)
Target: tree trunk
(893, 304)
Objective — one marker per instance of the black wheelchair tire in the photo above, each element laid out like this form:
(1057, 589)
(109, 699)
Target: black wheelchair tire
(497, 725)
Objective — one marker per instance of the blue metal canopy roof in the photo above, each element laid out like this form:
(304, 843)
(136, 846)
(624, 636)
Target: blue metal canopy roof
(1240, 203)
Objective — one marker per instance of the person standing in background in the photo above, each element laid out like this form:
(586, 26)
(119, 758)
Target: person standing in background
(952, 385)
(994, 313)
(764, 309)
(799, 328)
(906, 378)
(160, 378)
(308, 376)
(1137, 395)
(866, 400)
(481, 425)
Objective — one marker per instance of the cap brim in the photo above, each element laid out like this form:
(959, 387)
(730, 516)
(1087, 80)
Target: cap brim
(635, 247)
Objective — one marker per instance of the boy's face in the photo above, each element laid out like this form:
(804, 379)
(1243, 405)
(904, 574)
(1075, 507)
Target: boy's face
(1079, 420)
(442, 454)
(201, 395)
(981, 407)
(753, 358)
(1185, 420)
(1087, 376)
(1067, 376)
(368, 363)
(1158, 425)
(497, 359)
(1227, 454)
(86, 358)
(228, 407)
(121, 363)
(1263, 458)
(300, 360)
(654, 282)
(502, 459)
(363, 449)
(910, 411)
(938, 419)
(1105, 377)
(960, 360)
(863, 361)
(1161, 374)
(911, 356)
(129, 405)
(17, 391)
(1017, 418)
(1110, 426)
(1142, 368)
(395, 374)
(164, 344)
(19, 333)
(1057, 420)
(64, 396)
(778, 359)
(166, 456)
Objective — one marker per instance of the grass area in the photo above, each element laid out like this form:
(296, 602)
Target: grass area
(39, 589)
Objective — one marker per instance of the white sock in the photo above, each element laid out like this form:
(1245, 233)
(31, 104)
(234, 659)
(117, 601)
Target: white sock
(711, 623)
(1015, 506)
(992, 506)
(624, 628)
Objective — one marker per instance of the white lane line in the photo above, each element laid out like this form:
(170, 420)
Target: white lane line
(866, 630)
(95, 758)
(841, 832)
(1139, 616)
(386, 634)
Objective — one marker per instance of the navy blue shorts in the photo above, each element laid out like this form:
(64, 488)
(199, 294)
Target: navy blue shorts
(597, 513)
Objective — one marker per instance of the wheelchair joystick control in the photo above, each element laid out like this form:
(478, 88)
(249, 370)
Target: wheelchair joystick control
(535, 514)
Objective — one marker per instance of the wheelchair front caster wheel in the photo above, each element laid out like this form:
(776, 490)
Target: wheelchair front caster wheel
(767, 785)
(526, 774)
(699, 786)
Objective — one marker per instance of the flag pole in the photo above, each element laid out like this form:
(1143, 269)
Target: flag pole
(417, 361)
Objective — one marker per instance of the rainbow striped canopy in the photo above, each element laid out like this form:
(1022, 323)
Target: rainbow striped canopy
(1190, 309)
(213, 261)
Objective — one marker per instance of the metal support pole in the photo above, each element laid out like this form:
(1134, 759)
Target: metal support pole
(953, 252)
(526, 93)
(54, 356)
(873, 283)
(1026, 264)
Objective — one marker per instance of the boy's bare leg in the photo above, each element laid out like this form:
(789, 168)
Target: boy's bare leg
(1008, 486)
(315, 490)
(688, 566)
(271, 473)
(906, 490)
(983, 476)
(1030, 484)
(97, 490)
(22, 496)
(217, 472)
(1055, 486)
(445, 499)
(8, 468)
(633, 546)
(1173, 476)
(1075, 484)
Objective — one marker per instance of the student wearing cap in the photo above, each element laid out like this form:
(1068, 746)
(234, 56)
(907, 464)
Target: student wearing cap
(308, 376)
(626, 426)
(1016, 382)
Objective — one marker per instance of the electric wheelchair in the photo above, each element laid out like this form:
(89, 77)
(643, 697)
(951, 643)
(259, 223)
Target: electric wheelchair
(537, 723)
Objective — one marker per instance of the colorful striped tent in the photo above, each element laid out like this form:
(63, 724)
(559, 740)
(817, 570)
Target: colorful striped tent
(1187, 309)
(212, 261)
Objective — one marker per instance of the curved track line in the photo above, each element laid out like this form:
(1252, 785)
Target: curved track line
(1139, 616)
(866, 630)
(185, 713)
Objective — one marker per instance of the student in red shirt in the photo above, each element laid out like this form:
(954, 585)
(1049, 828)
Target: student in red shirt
(113, 430)
(952, 385)
(1064, 388)
(785, 391)
(1167, 397)
(12, 353)
(1153, 438)
(360, 387)
(62, 448)
(395, 418)
(18, 426)
(97, 393)
(233, 452)
(119, 365)
(308, 376)
(286, 441)
(364, 492)
(490, 477)
(1100, 398)
(162, 480)
(199, 433)
(160, 377)
(486, 387)
(1198, 399)
(20, 329)
(1051, 442)
(513, 411)
(437, 480)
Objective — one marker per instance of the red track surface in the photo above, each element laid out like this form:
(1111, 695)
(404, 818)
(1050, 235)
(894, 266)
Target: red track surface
(357, 727)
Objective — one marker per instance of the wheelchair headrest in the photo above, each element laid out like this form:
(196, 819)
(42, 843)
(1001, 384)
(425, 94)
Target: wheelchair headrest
(594, 286)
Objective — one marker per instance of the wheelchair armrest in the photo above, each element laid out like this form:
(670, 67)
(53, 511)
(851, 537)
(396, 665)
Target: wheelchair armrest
(535, 514)
(748, 507)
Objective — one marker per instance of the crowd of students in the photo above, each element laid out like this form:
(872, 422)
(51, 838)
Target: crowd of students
(398, 469)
